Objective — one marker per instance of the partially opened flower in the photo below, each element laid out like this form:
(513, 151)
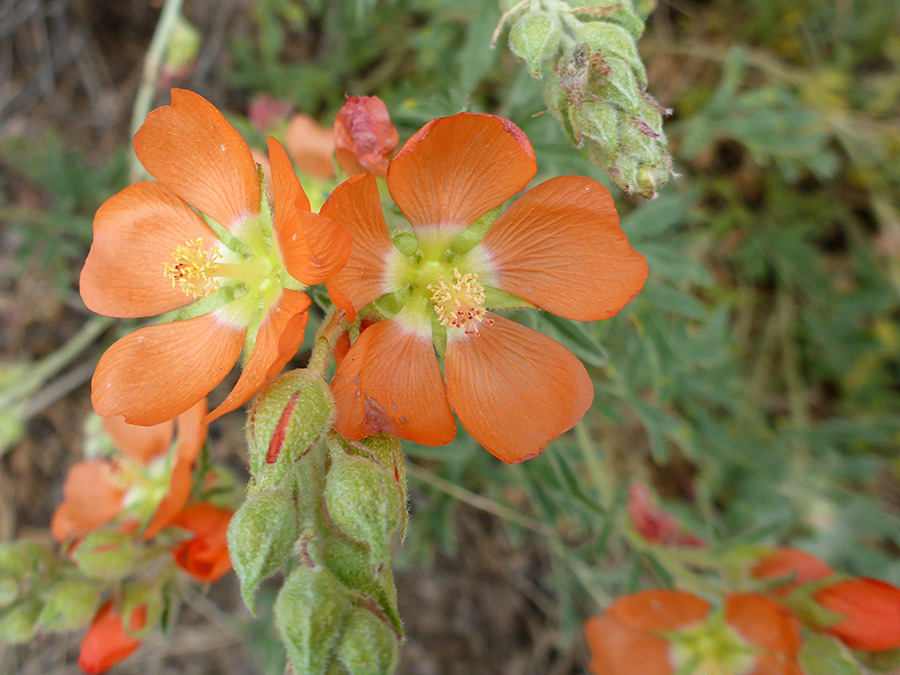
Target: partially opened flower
(668, 632)
(559, 248)
(205, 555)
(239, 271)
(148, 483)
(107, 641)
(870, 611)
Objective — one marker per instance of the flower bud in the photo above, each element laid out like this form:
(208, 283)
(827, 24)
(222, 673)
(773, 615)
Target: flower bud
(18, 623)
(871, 611)
(266, 112)
(309, 611)
(10, 588)
(70, 604)
(388, 452)
(107, 554)
(181, 52)
(612, 41)
(260, 538)
(534, 38)
(364, 138)
(363, 502)
(368, 646)
(143, 602)
(107, 641)
(288, 416)
(793, 566)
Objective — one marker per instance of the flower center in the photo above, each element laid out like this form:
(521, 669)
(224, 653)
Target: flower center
(194, 269)
(460, 303)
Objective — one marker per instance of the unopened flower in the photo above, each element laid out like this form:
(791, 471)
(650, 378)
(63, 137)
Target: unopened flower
(559, 248)
(265, 112)
(871, 611)
(205, 555)
(107, 641)
(668, 632)
(794, 566)
(152, 253)
(364, 137)
(654, 524)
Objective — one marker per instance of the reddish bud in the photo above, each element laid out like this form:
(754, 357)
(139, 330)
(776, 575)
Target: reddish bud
(264, 112)
(364, 138)
(654, 524)
(106, 642)
(205, 556)
(799, 567)
(872, 609)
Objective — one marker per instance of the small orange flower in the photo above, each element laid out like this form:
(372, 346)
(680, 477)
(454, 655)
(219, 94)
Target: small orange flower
(559, 248)
(654, 524)
(96, 491)
(664, 632)
(106, 642)
(795, 566)
(239, 273)
(205, 555)
(364, 137)
(872, 611)
(311, 146)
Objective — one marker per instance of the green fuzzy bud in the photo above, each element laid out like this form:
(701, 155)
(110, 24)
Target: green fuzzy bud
(288, 416)
(599, 122)
(363, 502)
(70, 604)
(612, 41)
(260, 538)
(10, 588)
(309, 611)
(388, 452)
(184, 45)
(21, 558)
(18, 624)
(107, 554)
(620, 86)
(368, 646)
(146, 594)
(534, 38)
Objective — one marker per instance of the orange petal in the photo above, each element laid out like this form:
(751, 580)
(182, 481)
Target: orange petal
(135, 233)
(91, 500)
(279, 337)
(619, 650)
(106, 642)
(514, 389)
(560, 247)
(314, 247)
(662, 610)
(356, 205)
(205, 557)
(192, 431)
(311, 146)
(455, 169)
(798, 567)
(763, 623)
(872, 611)
(158, 372)
(140, 443)
(191, 148)
(390, 382)
(172, 504)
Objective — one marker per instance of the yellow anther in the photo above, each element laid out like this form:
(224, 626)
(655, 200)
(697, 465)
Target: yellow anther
(460, 303)
(194, 269)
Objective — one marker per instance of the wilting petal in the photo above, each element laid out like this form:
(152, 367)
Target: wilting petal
(872, 611)
(91, 500)
(314, 247)
(158, 372)
(311, 146)
(135, 234)
(191, 148)
(560, 247)
(364, 138)
(138, 442)
(106, 642)
(279, 337)
(356, 205)
(390, 382)
(663, 610)
(619, 650)
(767, 625)
(514, 389)
(455, 169)
(205, 556)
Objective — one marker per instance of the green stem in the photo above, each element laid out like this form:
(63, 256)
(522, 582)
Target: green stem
(329, 332)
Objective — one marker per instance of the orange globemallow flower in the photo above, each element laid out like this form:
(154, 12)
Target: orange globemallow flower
(145, 481)
(797, 567)
(239, 272)
(311, 146)
(667, 632)
(558, 247)
(871, 609)
(106, 642)
(364, 137)
(205, 555)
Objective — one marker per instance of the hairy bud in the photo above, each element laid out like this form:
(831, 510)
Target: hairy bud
(534, 38)
(368, 646)
(70, 604)
(18, 623)
(107, 554)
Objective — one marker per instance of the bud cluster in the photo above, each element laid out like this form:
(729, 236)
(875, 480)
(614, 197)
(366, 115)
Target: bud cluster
(325, 511)
(596, 83)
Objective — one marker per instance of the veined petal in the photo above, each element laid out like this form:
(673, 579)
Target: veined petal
(158, 372)
(455, 169)
(390, 382)
(560, 247)
(138, 442)
(314, 247)
(514, 389)
(620, 650)
(191, 148)
(91, 500)
(765, 624)
(192, 429)
(356, 205)
(279, 337)
(135, 234)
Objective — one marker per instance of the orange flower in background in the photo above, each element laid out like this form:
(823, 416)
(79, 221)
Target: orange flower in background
(654, 524)
(795, 566)
(155, 486)
(871, 609)
(205, 555)
(311, 146)
(106, 642)
(364, 137)
(153, 254)
(559, 247)
(667, 632)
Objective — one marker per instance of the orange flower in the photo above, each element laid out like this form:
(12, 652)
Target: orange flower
(654, 524)
(872, 611)
(155, 486)
(239, 273)
(311, 146)
(664, 632)
(205, 555)
(796, 566)
(106, 642)
(364, 138)
(559, 247)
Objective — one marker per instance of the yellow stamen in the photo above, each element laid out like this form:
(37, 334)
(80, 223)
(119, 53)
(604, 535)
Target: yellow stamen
(459, 304)
(194, 269)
